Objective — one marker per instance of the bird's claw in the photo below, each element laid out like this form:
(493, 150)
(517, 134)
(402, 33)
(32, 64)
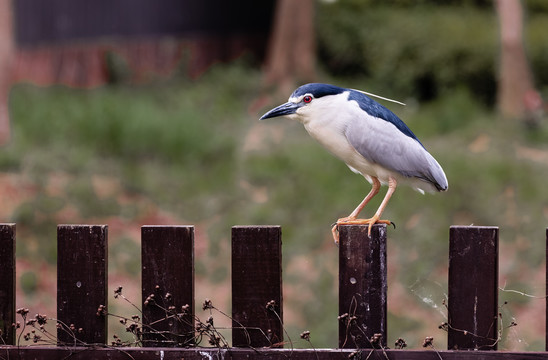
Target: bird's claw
(346, 221)
(335, 232)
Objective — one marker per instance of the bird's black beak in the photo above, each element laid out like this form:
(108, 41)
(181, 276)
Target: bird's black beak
(285, 109)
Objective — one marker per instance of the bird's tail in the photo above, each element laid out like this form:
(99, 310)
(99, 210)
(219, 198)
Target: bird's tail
(437, 175)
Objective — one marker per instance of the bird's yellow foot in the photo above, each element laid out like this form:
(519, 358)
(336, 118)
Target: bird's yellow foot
(353, 221)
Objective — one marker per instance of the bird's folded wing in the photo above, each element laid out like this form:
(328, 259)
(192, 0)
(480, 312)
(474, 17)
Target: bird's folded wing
(382, 143)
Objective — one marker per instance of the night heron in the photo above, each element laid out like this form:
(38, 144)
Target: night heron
(368, 137)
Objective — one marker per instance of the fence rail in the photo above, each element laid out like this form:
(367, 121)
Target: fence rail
(49, 353)
(168, 326)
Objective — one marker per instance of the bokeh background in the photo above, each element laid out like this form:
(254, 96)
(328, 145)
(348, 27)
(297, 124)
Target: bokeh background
(129, 113)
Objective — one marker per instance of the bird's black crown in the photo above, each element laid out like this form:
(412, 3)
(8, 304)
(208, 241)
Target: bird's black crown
(318, 90)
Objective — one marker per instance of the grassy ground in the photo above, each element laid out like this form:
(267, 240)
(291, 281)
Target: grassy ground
(193, 152)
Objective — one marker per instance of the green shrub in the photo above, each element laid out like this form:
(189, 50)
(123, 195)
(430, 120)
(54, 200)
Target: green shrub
(423, 50)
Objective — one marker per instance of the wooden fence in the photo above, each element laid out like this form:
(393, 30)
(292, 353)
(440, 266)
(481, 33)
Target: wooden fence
(168, 329)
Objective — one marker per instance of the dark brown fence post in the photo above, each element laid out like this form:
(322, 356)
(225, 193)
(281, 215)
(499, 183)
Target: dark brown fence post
(81, 284)
(7, 283)
(167, 258)
(546, 289)
(473, 287)
(362, 286)
(257, 286)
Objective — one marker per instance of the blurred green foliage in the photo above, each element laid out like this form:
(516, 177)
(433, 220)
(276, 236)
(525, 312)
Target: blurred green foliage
(29, 283)
(423, 48)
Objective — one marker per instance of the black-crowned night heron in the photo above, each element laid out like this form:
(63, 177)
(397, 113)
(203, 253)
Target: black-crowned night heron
(368, 137)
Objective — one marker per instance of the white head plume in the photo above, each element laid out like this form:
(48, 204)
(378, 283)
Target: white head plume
(380, 97)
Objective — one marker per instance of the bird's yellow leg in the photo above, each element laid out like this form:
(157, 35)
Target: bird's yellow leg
(392, 184)
(376, 185)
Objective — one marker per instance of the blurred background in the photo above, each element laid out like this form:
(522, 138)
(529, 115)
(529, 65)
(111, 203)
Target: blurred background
(141, 112)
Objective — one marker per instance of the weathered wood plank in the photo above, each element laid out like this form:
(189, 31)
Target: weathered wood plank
(50, 353)
(473, 287)
(7, 283)
(362, 286)
(257, 286)
(167, 260)
(81, 283)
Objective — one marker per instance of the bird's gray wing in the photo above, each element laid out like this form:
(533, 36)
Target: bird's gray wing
(382, 143)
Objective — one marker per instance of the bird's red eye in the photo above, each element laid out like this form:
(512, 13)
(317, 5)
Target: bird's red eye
(307, 99)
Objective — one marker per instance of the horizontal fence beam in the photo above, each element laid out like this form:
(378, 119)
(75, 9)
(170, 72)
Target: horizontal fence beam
(7, 284)
(125, 353)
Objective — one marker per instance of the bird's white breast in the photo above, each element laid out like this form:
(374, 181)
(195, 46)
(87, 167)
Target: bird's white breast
(328, 126)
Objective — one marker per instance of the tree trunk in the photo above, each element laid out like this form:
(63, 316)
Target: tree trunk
(6, 62)
(291, 51)
(517, 97)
